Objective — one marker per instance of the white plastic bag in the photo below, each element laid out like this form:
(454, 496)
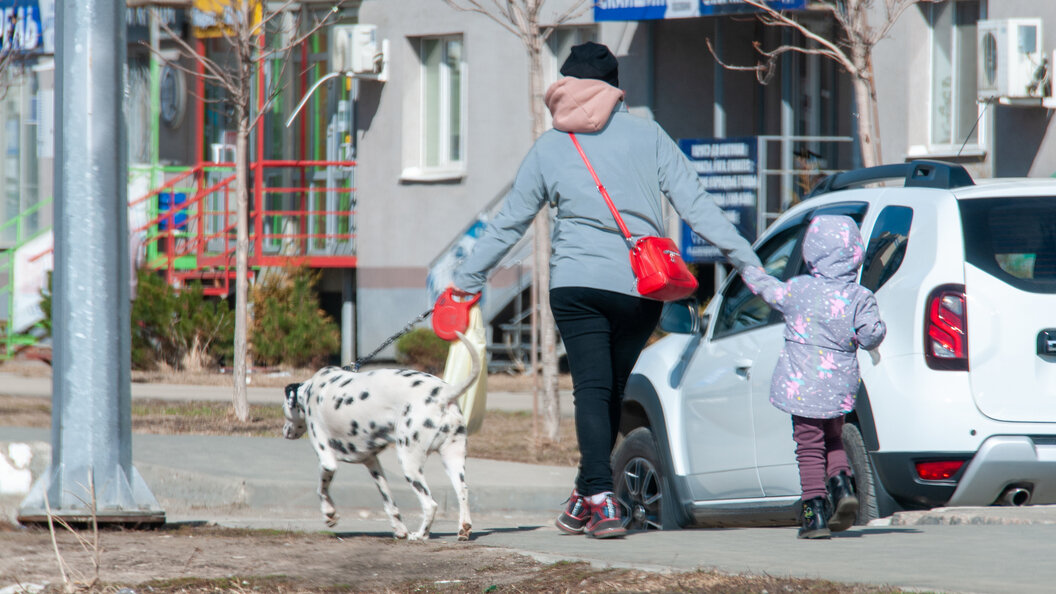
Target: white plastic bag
(459, 365)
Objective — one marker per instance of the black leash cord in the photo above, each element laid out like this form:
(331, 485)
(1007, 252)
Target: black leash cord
(410, 325)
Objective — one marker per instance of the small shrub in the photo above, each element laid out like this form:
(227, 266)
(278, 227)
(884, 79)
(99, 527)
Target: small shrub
(423, 349)
(177, 329)
(180, 329)
(289, 328)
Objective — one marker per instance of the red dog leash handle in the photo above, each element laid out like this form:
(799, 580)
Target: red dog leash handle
(451, 315)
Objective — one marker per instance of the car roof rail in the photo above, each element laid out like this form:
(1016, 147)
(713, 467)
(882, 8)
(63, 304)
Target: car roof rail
(918, 174)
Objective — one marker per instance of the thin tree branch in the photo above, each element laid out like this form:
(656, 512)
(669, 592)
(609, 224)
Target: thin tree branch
(779, 19)
(475, 6)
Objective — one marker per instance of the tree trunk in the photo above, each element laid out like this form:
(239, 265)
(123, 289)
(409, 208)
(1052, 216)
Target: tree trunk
(241, 402)
(547, 330)
(866, 105)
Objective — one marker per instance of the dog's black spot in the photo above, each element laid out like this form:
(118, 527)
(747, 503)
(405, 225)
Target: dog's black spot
(460, 430)
(416, 383)
(384, 497)
(435, 391)
(373, 424)
(408, 423)
(311, 427)
(337, 404)
(430, 400)
(319, 399)
(406, 410)
(429, 424)
(337, 445)
(444, 429)
(327, 371)
(350, 400)
(364, 395)
(355, 425)
(347, 381)
(322, 448)
(398, 518)
(418, 486)
(461, 477)
(415, 436)
(351, 447)
(375, 474)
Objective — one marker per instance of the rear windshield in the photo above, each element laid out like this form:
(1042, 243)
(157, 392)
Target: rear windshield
(1013, 239)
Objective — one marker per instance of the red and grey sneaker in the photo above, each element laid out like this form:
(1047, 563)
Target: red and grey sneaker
(574, 519)
(605, 521)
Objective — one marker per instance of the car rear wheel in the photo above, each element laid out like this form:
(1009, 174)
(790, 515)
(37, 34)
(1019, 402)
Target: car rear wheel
(638, 481)
(874, 502)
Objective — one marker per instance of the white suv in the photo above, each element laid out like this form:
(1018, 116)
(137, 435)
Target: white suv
(956, 407)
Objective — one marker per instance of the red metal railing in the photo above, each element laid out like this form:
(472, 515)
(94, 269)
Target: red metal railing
(311, 225)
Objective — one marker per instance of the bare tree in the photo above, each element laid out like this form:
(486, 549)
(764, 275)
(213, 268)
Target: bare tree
(522, 18)
(11, 63)
(242, 24)
(853, 51)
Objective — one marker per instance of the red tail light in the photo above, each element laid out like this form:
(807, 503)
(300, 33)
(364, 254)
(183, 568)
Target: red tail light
(938, 470)
(946, 329)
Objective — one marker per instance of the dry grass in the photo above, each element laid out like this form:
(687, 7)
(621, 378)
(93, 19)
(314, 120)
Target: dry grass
(503, 436)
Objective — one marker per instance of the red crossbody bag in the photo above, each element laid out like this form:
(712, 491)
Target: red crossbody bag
(658, 266)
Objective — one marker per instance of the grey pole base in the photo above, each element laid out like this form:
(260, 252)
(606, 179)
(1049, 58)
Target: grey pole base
(119, 499)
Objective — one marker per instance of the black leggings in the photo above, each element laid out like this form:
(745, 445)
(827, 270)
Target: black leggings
(603, 332)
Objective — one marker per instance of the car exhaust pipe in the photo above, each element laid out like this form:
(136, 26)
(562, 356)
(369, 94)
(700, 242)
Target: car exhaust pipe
(1015, 496)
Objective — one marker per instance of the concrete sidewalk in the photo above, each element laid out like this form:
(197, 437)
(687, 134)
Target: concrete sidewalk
(271, 483)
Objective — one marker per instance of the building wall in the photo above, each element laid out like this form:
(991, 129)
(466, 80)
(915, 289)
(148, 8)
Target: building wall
(1019, 141)
(402, 223)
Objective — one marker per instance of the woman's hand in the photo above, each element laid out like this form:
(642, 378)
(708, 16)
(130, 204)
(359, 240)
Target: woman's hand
(455, 291)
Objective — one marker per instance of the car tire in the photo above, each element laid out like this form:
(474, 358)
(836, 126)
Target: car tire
(646, 501)
(874, 502)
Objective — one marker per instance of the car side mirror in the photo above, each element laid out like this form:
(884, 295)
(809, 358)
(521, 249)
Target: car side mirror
(680, 317)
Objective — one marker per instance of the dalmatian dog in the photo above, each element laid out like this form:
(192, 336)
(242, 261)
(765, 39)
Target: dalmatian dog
(352, 417)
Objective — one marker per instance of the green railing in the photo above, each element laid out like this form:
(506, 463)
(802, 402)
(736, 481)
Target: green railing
(12, 341)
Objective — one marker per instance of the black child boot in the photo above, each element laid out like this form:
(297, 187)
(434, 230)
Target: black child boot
(844, 502)
(815, 519)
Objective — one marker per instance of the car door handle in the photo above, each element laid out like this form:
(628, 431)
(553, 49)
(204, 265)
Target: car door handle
(743, 367)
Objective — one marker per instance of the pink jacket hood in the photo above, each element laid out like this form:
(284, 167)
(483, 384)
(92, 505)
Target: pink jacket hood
(581, 104)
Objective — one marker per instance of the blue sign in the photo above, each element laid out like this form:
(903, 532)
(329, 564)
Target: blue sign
(27, 26)
(645, 10)
(729, 170)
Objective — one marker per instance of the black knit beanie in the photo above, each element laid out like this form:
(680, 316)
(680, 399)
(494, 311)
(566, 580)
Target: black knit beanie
(592, 60)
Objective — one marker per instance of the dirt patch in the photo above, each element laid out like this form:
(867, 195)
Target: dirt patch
(508, 436)
(210, 559)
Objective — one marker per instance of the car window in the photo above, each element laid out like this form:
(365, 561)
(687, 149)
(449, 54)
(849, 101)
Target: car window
(1013, 239)
(741, 309)
(887, 246)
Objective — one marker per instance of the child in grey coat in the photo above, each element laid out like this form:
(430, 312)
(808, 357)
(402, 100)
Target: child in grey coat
(828, 315)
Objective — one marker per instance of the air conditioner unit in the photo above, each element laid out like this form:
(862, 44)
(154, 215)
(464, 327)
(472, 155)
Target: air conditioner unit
(355, 49)
(1009, 55)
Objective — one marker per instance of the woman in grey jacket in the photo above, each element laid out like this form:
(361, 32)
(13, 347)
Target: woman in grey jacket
(603, 322)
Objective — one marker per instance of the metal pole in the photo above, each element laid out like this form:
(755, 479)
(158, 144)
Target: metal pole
(91, 437)
(719, 116)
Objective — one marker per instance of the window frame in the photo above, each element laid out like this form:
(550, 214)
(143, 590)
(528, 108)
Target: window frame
(956, 145)
(446, 168)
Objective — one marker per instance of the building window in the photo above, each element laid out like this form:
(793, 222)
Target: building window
(443, 124)
(955, 112)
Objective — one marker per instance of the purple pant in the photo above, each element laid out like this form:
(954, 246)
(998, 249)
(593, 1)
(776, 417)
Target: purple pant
(819, 448)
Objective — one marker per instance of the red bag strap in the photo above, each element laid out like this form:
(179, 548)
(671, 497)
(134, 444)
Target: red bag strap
(604, 192)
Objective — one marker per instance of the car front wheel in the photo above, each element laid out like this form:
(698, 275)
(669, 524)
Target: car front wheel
(638, 481)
